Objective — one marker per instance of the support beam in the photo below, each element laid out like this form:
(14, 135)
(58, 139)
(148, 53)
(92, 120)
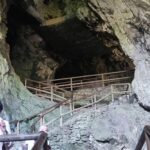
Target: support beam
(20, 137)
(54, 21)
(41, 142)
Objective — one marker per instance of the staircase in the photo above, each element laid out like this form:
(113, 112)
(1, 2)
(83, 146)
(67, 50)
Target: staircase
(77, 87)
(103, 91)
(116, 90)
(46, 90)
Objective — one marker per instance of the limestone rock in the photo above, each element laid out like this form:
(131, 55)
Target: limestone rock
(129, 22)
(113, 127)
(17, 100)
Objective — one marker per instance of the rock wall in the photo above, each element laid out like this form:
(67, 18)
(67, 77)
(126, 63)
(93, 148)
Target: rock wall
(129, 22)
(73, 135)
(114, 127)
(18, 101)
(29, 56)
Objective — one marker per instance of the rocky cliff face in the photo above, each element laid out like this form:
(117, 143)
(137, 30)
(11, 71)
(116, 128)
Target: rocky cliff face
(129, 22)
(29, 56)
(18, 102)
(122, 27)
(114, 127)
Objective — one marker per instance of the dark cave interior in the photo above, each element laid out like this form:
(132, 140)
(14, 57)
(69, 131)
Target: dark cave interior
(72, 45)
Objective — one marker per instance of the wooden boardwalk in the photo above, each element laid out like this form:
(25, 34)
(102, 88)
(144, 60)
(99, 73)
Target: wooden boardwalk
(62, 89)
(118, 83)
(54, 21)
(116, 90)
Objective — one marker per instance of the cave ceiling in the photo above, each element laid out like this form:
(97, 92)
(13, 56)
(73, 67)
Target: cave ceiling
(74, 44)
(73, 40)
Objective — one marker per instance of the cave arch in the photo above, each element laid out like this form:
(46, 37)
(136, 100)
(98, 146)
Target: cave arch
(67, 49)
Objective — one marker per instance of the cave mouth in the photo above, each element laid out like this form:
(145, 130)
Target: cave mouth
(65, 50)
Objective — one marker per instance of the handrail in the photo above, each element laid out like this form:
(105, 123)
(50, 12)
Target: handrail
(70, 101)
(115, 72)
(19, 137)
(98, 81)
(43, 112)
(45, 85)
(61, 89)
(46, 92)
(88, 105)
(65, 102)
(93, 98)
(92, 104)
(47, 110)
(86, 76)
(41, 142)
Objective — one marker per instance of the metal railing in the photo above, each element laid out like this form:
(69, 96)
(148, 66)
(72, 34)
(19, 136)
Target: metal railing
(63, 88)
(94, 101)
(90, 80)
(46, 90)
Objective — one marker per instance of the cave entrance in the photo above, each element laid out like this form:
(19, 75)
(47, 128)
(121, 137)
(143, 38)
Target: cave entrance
(65, 50)
(83, 52)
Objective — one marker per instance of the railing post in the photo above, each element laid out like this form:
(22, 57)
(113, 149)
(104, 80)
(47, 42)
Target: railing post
(39, 88)
(41, 120)
(61, 119)
(52, 93)
(63, 95)
(41, 141)
(94, 102)
(112, 93)
(71, 106)
(36, 92)
(103, 84)
(18, 127)
(130, 89)
(71, 103)
(71, 87)
(25, 84)
(81, 83)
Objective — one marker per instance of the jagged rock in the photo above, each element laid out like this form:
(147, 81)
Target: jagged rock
(29, 56)
(129, 22)
(113, 127)
(18, 101)
(127, 25)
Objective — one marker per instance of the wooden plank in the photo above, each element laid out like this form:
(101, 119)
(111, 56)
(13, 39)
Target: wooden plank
(97, 75)
(20, 137)
(54, 21)
(92, 82)
(39, 145)
(46, 92)
(79, 78)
